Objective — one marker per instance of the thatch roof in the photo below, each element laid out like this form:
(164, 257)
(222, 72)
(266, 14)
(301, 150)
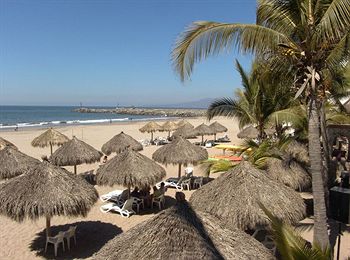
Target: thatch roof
(234, 196)
(248, 132)
(169, 126)
(183, 122)
(180, 233)
(119, 143)
(50, 137)
(203, 129)
(4, 143)
(14, 162)
(46, 190)
(299, 152)
(217, 127)
(130, 169)
(289, 173)
(150, 127)
(75, 152)
(185, 131)
(180, 151)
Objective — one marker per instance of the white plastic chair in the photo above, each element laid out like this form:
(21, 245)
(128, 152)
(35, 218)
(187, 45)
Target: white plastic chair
(56, 241)
(124, 211)
(198, 182)
(186, 184)
(189, 171)
(159, 201)
(69, 234)
(138, 202)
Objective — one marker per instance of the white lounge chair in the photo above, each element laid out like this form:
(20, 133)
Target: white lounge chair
(111, 195)
(159, 201)
(70, 233)
(124, 211)
(56, 241)
(170, 184)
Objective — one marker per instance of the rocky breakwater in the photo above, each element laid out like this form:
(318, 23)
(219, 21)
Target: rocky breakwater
(172, 112)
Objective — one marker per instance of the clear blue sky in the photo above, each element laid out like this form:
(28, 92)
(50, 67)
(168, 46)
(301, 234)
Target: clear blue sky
(109, 52)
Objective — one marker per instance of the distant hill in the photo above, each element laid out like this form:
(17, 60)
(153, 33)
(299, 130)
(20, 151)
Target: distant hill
(202, 103)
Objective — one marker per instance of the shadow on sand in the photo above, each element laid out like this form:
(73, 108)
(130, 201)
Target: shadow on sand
(91, 236)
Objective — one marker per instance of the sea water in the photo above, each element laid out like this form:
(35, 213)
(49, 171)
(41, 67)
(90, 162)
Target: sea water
(12, 117)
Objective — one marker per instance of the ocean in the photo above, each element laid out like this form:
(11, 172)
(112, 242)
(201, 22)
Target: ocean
(12, 117)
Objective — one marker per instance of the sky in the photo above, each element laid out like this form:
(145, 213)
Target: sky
(105, 53)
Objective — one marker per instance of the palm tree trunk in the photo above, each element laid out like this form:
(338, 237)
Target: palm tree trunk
(328, 178)
(320, 216)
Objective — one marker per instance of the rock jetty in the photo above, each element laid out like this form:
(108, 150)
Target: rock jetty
(171, 112)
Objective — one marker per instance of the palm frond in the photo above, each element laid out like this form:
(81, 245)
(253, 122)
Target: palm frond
(213, 166)
(224, 107)
(340, 53)
(294, 115)
(335, 20)
(204, 38)
(278, 15)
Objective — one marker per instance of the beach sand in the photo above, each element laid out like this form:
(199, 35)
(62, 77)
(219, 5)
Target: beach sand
(26, 240)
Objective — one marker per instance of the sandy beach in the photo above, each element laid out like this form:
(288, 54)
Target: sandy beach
(25, 240)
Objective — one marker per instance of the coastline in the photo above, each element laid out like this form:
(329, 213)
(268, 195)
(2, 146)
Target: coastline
(101, 122)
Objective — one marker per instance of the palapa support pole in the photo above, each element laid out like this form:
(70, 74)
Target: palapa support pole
(75, 169)
(168, 134)
(151, 136)
(214, 137)
(179, 173)
(128, 191)
(48, 224)
(51, 147)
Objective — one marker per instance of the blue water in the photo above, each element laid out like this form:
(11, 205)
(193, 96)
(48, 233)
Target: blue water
(45, 116)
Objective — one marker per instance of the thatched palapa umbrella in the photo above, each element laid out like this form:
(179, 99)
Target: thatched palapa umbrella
(50, 138)
(299, 152)
(289, 173)
(150, 127)
(46, 190)
(14, 162)
(248, 132)
(181, 233)
(234, 197)
(217, 128)
(180, 151)
(75, 152)
(203, 130)
(183, 122)
(119, 143)
(130, 169)
(185, 131)
(4, 143)
(169, 126)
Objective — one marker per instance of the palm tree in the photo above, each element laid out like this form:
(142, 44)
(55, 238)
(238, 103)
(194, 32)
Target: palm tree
(308, 38)
(257, 103)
